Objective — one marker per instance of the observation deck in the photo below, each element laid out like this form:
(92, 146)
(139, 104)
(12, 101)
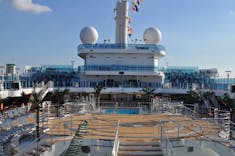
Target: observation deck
(158, 50)
(123, 69)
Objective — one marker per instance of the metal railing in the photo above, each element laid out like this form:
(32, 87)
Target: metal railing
(221, 119)
(232, 130)
(61, 131)
(166, 144)
(35, 147)
(121, 68)
(116, 141)
(122, 46)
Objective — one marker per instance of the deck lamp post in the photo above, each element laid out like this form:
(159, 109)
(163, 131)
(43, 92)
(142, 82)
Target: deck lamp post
(36, 100)
(228, 72)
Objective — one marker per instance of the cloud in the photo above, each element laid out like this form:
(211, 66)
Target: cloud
(28, 5)
(231, 13)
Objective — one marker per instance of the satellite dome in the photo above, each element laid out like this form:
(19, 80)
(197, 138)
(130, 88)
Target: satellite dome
(161, 53)
(89, 35)
(152, 36)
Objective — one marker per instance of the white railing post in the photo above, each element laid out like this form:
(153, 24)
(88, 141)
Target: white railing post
(165, 141)
(116, 141)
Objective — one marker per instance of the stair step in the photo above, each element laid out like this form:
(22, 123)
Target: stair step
(139, 148)
(138, 153)
(132, 143)
(80, 133)
(82, 126)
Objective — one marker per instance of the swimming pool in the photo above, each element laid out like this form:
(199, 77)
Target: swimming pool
(122, 110)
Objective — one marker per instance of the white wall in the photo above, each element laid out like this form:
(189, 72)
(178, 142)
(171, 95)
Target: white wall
(156, 61)
(120, 59)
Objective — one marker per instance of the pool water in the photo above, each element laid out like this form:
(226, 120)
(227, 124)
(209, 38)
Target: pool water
(122, 110)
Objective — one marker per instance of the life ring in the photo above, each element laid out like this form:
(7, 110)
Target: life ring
(86, 149)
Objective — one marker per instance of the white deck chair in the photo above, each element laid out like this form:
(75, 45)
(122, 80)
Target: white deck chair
(10, 114)
(20, 121)
(15, 112)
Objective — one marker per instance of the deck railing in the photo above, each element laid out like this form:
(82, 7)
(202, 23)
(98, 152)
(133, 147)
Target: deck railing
(232, 130)
(166, 144)
(116, 141)
(35, 146)
(226, 128)
(121, 46)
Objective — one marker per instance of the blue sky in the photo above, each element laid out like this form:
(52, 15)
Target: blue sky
(195, 32)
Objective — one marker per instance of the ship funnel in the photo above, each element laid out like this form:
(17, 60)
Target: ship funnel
(122, 19)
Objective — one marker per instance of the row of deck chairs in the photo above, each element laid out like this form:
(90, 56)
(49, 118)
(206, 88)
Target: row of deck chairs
(16, 112)
(14, 126)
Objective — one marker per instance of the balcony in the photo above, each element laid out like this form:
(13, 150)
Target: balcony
(122, 46)
(121, 70)
(157, 50)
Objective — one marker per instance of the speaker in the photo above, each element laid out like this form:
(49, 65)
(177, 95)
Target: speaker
(233, 88)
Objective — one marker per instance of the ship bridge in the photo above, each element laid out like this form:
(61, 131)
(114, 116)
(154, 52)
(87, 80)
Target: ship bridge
(156, 50)
(121, 59)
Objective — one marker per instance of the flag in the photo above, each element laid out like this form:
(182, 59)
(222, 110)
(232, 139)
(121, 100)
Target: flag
(129, 31)
(138, 2)
(135, 2)
(135, 5)
(133, 8)
(136, 8)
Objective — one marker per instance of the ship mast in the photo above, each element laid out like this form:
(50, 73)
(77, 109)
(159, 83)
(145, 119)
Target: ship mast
(122, 19)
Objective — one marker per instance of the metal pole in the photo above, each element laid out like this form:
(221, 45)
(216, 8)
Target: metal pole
(64, 133)
(71, 125)
(161, 132)
(166, 147)
(228, 72)
(178, 131)
(37, 125)
(37, 122)
(57, 110)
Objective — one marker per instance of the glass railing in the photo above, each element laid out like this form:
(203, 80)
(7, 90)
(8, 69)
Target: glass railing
(168, 70)
(127, 84)
(122, 46)
(120, 68)
(118, 84)
(58, 68)
(225, 80)
(182, 69)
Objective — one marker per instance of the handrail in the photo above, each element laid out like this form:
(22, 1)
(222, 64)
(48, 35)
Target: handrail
(165, 142)
(48, 135)
(116, 141)
(121, 46)
(222, 121)
(34, 144)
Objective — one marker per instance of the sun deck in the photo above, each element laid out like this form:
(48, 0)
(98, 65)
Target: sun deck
(164, 123)
(147, 127)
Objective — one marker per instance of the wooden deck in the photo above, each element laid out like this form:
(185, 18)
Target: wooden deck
(134, 127)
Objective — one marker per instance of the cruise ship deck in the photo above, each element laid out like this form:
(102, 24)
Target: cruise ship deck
(164, 128)
(169, 129)
(118, 103)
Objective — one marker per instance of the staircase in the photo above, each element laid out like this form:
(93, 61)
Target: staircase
(132, 148)
(44, 89)
(74, 147)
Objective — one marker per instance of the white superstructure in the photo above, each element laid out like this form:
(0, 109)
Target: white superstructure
(121, 64)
